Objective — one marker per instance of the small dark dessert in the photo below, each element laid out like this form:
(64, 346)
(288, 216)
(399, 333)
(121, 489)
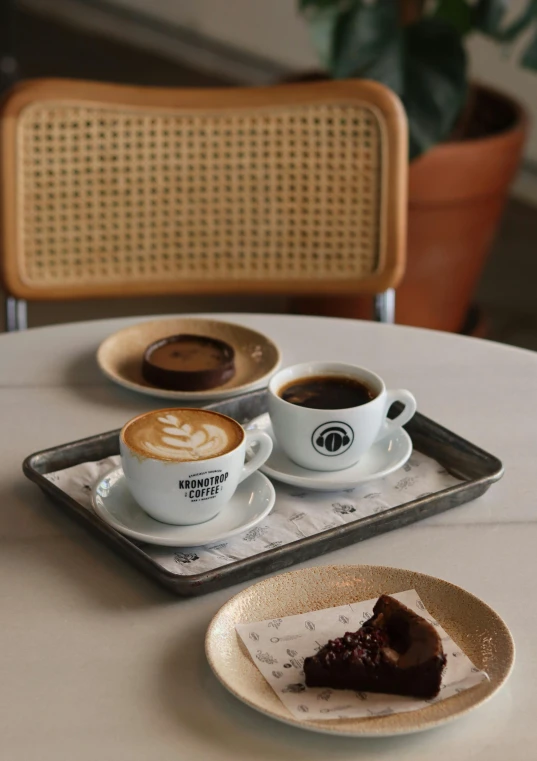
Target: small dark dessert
(188, 363)
(396, 651)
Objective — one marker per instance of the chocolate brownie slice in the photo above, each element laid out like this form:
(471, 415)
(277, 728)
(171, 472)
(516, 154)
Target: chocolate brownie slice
(396, 651)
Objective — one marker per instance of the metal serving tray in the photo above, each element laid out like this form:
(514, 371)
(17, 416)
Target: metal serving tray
(477, 469)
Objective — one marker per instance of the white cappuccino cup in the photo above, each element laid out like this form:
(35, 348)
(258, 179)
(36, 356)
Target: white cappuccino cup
(183, 465)
(334, 438)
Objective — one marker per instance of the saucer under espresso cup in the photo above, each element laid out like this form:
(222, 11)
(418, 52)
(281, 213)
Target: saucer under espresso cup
(382, 458)
(334, 436)
(183, 465)
(113, 502)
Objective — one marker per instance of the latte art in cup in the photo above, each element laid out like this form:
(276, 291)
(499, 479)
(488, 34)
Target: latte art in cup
(183, 435)
(183, 441)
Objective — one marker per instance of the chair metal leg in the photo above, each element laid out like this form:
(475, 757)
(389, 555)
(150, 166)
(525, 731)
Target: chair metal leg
(385, 306)
(16, 314)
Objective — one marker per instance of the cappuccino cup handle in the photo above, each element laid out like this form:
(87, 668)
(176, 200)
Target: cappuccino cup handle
(399, 395)
(261, 455)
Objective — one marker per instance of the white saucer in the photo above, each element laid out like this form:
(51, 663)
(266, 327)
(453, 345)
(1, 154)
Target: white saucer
(112, 501)
(383, 458)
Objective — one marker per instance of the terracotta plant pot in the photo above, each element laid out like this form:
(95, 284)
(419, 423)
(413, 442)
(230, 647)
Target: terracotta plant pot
(457, 193)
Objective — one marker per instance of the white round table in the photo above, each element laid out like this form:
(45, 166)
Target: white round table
(97, 662)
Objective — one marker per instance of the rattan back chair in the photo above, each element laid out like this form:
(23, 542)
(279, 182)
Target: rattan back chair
(110, 190)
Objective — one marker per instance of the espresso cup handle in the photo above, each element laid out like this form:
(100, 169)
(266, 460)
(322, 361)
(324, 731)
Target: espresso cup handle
(264, 449)
(406, 398)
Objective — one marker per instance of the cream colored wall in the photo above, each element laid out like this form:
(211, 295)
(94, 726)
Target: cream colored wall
(269, 28)
(273, 29)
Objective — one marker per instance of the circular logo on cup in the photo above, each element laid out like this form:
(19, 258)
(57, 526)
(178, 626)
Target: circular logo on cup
(332, 438)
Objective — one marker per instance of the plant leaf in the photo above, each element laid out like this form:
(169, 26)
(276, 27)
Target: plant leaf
(322, 17)
(491, 21)
(489, 16)
(524, 19)
(529, 57)
(456, 12)
(367, 43)
(424, 63)
(323, 23)
(435, 81)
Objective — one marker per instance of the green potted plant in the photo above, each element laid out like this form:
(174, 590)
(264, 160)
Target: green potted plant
(465, 139)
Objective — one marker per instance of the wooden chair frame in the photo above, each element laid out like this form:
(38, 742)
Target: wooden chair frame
(17, 201)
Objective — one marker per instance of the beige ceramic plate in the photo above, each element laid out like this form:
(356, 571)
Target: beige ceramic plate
(256, 356)
(479, 631)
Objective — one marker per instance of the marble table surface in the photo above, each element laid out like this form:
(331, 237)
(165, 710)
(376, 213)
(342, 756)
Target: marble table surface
(97, 662)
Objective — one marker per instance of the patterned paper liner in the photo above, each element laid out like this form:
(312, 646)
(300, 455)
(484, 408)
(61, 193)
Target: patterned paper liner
(297, 513)
(278, 648)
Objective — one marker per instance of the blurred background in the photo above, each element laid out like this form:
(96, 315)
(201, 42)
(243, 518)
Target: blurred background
(213, 43)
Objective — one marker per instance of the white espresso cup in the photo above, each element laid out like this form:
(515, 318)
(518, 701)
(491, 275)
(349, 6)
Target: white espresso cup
(333, 439)
(183, 465)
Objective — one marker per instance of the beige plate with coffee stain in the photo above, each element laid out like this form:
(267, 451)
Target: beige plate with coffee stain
(478, 630)
(256, 356)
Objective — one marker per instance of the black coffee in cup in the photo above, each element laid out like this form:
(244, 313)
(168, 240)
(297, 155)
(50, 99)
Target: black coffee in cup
(327, 392)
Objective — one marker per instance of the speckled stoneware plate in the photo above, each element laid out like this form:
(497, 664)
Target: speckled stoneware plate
(478, 630)
(256, 356)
